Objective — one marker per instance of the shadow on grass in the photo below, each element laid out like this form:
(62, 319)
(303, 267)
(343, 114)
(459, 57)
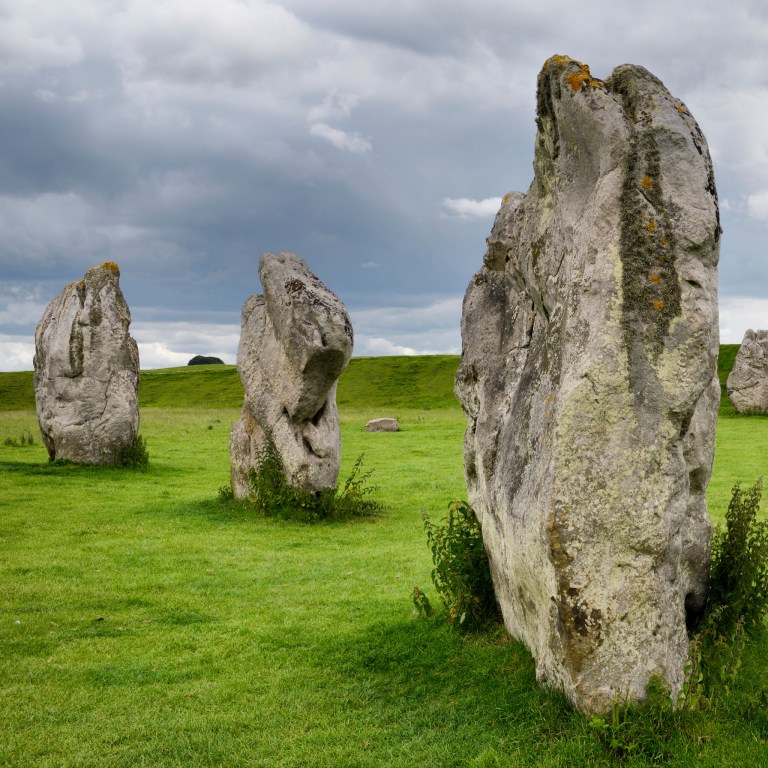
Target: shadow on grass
(423, 676)
(53, 469)
(229, 511)
(429, 682)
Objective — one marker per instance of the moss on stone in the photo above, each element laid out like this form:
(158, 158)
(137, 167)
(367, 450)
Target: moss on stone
(647, 235)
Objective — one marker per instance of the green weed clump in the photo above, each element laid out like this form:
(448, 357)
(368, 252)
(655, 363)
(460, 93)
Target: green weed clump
(737, 604)
(736, 609)
(461, 574)
(738, 589)
(274, 496)
(26, 439)
(134, 456)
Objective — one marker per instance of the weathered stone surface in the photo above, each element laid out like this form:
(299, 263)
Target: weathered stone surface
(748, 381)
(588, 375)
(295, 341)
(87, 371)
(382, 425)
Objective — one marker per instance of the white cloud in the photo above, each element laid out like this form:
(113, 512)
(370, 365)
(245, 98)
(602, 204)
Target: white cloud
(352, 142)
(757, 205)
(166, 344)
(24, 49)
(375, 347)
(336, 105)
(738, 314)
(16, 352)
(370, 265)
(427, 328)
(195, 42)
(466, 208)
(157, 355)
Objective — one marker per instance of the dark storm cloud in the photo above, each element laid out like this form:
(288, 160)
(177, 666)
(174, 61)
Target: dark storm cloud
(182, 138)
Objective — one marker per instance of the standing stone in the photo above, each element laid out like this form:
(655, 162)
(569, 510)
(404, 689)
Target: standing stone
(748, 381)
(588, 376)
(87, 371)
(295, 341)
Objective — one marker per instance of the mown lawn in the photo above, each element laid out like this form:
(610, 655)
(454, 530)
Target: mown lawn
(145, 623)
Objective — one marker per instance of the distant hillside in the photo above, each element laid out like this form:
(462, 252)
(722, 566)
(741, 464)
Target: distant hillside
(399, 382)
(373, 383)
(725, 361)
(196, 386)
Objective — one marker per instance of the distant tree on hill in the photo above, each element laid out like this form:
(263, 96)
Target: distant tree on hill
(203, 360)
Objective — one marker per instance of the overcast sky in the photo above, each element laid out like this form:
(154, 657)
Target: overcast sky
(182, 138)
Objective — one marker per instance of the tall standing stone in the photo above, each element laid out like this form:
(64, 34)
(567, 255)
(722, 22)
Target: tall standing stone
(588, 376)
(295, 340)
(87, 371)
(748, 381)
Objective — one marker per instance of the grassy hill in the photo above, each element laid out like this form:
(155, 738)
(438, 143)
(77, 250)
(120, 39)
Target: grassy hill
(146, 622)
(373, 383)
(725, 361)
(368, 382)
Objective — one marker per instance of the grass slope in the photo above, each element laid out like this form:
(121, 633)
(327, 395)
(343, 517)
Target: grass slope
(143, 622)
(368, 382)
(193, 386)
(399, 382)
(371, 382)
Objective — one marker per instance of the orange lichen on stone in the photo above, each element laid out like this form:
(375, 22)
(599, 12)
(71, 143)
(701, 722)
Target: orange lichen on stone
(658, 304)
(505, 199)
(655, 278)
(563, 61)
(577, 80)
(651, 226)
(110, 265)
(681, 109)
(664, 241)
(646, 183)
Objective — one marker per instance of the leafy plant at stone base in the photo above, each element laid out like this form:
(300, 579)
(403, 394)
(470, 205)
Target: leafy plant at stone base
(461, 573)
(135, 455)
(736, 611)
(739, 579)
(631, 730)
(274, 496)
(737, 604)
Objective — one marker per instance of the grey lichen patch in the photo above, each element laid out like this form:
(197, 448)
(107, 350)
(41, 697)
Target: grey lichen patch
(650, 283)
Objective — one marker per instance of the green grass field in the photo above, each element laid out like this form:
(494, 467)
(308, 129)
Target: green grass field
(145, 623)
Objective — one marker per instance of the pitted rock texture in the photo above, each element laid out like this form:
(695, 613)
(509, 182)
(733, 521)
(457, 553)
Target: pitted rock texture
(295, 340)
(748, 381)
(87, 371)
(588, 376)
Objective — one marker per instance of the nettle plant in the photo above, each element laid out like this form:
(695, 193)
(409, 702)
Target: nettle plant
(135, 456)
(461, 573)
(736, 611)
(273, 495)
